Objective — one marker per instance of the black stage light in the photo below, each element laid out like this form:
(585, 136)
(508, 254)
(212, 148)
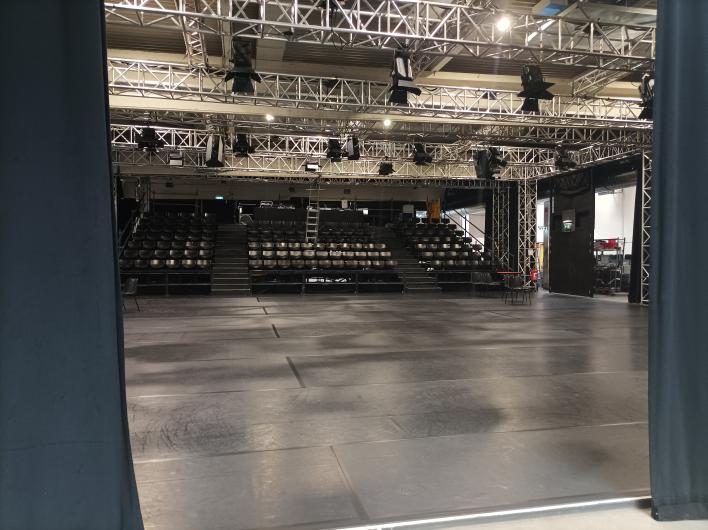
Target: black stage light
(535, 88)
(334, 150)
(402, 80)
(175, 159)
(487, 163)
(646, 92)
(148, 140)
(242, 72)
(420, 156)
(352, 147)
(562, 160)
(386, 168)
(215, 151)
(312, 166)
(241, 147)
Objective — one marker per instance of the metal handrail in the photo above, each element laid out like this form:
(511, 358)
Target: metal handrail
(124, 236)
(467, 232)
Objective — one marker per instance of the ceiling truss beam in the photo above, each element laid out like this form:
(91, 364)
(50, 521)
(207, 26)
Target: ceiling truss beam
(433, 28)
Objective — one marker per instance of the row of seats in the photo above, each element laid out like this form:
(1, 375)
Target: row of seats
(167, 245)
(441, 254)
(170, 235)
(451, 264)
(320, 254)
(349, 264)
(295, 245)
(442, 246)
(168, 254)
(170, 241)
(164, 264)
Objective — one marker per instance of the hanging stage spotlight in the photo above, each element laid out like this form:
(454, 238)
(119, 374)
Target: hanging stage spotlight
(402, 80)
(562, 160)
(312, 166)
(334, 150)
(646, 92)
(488, 163)
(242, 72)
(535, 88)
(352, 147)
(386, 168)
(215, 151)
(420, 156)
(241, 147)
(175, 159)
(148, 140)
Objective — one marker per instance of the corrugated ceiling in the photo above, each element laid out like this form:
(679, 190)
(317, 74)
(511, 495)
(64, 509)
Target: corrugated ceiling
(485, 65)
(154, 40)
(317, 54)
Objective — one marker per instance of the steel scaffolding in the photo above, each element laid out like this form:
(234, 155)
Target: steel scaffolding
(459, 152)
(432, 28)
(547, 137)
(179, 81)
(645, 257)
(526, 254)
(500, 228)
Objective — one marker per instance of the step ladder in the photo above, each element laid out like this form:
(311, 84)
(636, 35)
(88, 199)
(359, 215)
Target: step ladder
(312, 223)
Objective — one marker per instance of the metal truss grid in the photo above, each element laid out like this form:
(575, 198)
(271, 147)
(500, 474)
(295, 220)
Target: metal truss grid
(500, 228)
(646, 192)
(526, 255)
(432, 28)
(178, 81)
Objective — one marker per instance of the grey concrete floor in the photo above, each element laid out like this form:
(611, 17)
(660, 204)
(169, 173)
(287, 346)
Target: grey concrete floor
(324, 412)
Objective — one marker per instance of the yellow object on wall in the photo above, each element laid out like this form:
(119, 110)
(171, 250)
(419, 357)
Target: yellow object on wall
(434, 209)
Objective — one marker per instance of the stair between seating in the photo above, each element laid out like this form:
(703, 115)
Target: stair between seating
(230, 270)
(416, 279)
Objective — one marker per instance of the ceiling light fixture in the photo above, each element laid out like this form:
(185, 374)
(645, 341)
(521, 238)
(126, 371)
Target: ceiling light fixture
(402, 79)
(352, 148)
(562, 160)
(312, 166)
(535, 88)
(148, 140)
(646, 92)
(242, 72)
(269, 117)
(241, 147)
(503, 23)
(334, 150)
(386, 168)
(387, 122)
(487, 163)
(420, 156)
(214, 151)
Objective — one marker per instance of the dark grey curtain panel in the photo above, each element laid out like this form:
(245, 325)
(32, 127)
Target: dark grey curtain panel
(65, 459)
(678, 373)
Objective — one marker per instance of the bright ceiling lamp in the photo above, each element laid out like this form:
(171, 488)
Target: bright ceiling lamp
(503, 23)
(387, 122)
(269, 117)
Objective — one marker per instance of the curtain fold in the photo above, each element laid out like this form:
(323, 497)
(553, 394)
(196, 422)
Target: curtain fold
(65, 460)
(678, 336)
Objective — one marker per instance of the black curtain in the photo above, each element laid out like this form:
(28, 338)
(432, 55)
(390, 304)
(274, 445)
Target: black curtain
(65, 460)
(678, 336)
(571, 262)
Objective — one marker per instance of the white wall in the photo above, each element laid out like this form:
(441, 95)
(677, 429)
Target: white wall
(467, 217)
(614, 215)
